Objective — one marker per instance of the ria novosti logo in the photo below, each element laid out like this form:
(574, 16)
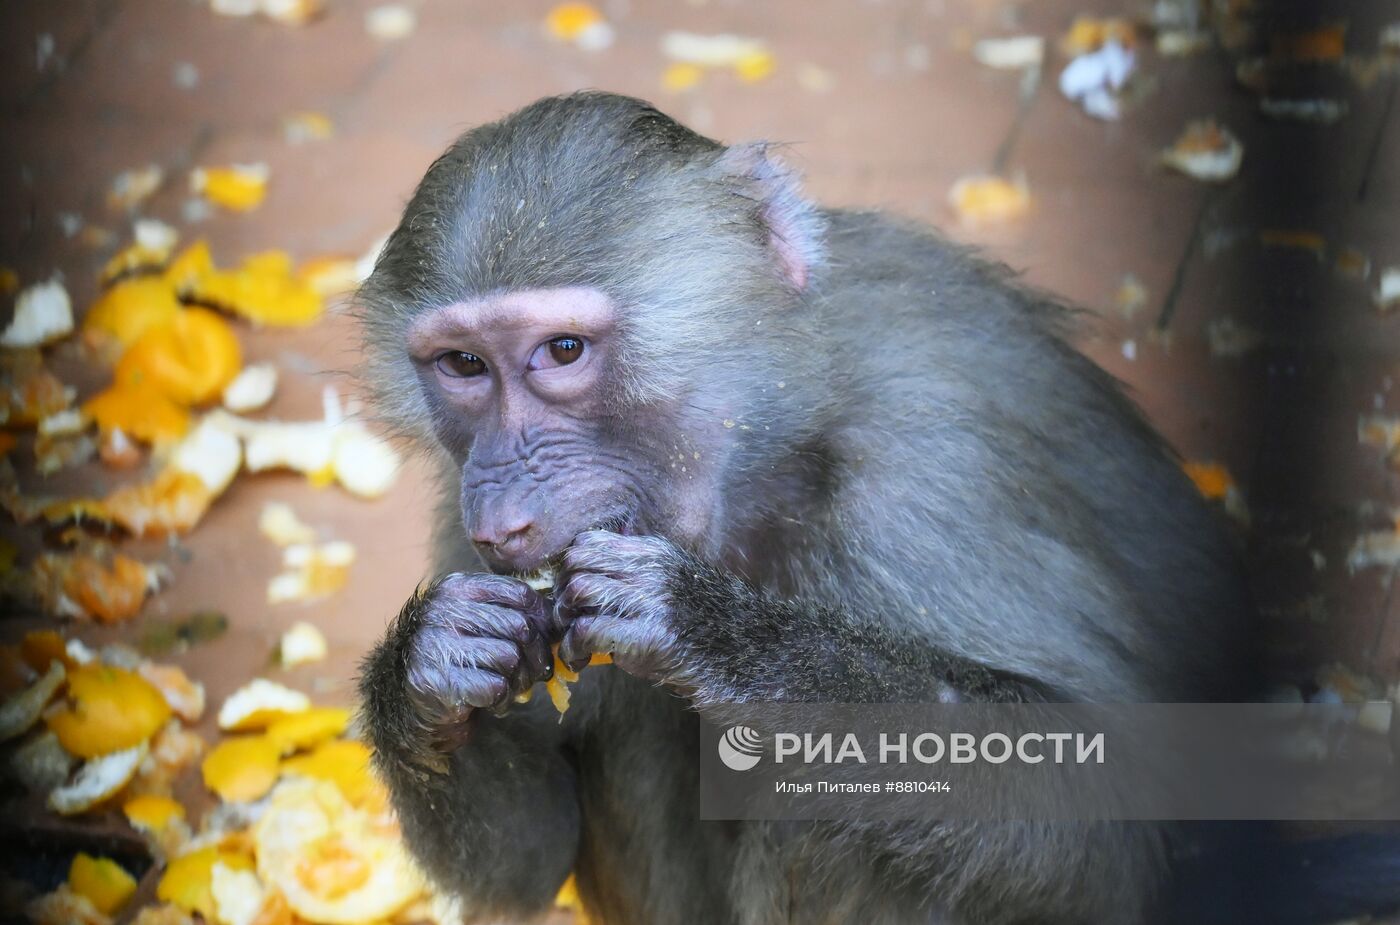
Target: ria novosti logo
(740, 748)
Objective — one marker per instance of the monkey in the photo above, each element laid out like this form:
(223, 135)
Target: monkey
(771, 452)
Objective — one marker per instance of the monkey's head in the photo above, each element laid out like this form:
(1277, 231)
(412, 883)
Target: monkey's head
(600, 316)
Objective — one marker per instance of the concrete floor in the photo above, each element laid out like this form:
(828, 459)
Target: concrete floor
(882, 106)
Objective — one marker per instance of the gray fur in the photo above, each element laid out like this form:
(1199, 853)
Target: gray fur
(916, 486)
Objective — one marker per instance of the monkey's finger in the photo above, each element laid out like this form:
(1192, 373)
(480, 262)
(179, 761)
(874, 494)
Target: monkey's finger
(442, 691)
(481, 688)
(613, 554)
(486, 588)
(474, 619)
(609, 635)
(539, 660)
(499, 655)
(588, 590)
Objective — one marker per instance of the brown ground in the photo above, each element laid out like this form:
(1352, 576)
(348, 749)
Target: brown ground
(907, 112)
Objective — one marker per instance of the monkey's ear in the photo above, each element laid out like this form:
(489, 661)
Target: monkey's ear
(795, 227)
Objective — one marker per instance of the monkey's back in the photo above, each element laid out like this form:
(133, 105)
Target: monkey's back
(1038, 510)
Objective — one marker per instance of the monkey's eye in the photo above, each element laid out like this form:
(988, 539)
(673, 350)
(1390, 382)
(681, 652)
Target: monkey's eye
(458, 364)
(561, 351)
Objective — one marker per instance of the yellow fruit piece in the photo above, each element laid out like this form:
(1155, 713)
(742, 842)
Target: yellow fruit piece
(307, 126)
(330, 276)
(681, 76)
(568, 20)
(242, 768)
(558, 685)
(152, 812)
(239, 188)
(193, 262)
(264, 289)
(126, 310)
(311, 572)
(109, 709)
(755, 66)
(279, 523)
(97, 588)
(188, 880)
(333, 862)
(39, 648)
(989, 199)
(568, 898)
(258, 704)
(142, 411)
(1088, 34)
(301, 644)
(1212, 480)
(345, 763)
(174, 749)
(97, 780)
(137, 258)
(190, 358)
(103, 881)
(172, 503)
(185, 697)
(63, 907)
(304, 730)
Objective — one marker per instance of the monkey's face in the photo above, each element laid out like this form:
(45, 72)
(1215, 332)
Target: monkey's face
(525, 395)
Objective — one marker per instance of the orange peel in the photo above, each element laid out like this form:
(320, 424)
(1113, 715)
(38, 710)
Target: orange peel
(140, 410)
(152, 812)
(191, 357)
(309, 728)
(345, 763)
(104, 882)
(264, 289)
(108, 710)
(127, 309)
(333, 862)
(97, 780)
(243, 768)
(187, 881)
(238, 187)
(258, 704)
(108, 590)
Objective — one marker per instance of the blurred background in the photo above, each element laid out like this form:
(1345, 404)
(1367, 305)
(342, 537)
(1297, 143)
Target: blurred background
(1219, 185)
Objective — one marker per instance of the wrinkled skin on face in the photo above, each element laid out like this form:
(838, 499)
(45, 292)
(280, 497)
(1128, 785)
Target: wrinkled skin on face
(524, 395)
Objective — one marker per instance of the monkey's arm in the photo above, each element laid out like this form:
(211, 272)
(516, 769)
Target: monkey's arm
(669, 617)
(495, 819)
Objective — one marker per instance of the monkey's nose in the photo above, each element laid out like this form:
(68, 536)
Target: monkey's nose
(504, 537)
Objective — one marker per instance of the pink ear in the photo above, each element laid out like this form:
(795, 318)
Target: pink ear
(794, 225)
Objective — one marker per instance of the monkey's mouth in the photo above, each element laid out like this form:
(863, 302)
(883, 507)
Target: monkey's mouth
(542, 579)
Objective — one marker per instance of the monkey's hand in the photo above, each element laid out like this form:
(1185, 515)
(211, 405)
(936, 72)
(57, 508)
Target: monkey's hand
(460, 645)
(618, 596)
(668, 617)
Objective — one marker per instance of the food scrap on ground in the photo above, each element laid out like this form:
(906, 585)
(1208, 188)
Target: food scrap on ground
(1206, 151)
(237, 187)
(693, 55)
(1010, 53)
(391, 22)
(311, 572)
(43, 314)
(580, 24)
(987, 199)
